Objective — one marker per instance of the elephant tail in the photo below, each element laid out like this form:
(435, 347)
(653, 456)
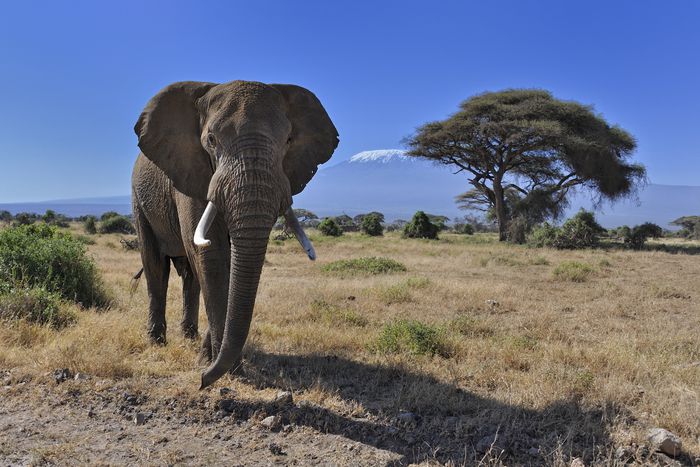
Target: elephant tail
(135, 282)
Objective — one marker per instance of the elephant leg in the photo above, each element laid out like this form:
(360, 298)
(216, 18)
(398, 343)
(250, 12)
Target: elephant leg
(156, 266)
(190, 298)
(205, 356)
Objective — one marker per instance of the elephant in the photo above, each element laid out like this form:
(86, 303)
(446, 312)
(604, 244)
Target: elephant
(218, 164)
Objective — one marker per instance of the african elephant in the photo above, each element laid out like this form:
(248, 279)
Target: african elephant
(220, 161)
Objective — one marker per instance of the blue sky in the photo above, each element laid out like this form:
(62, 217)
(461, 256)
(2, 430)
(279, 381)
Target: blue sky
(75, 75)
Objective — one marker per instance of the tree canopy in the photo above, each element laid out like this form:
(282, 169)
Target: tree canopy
(528, 146)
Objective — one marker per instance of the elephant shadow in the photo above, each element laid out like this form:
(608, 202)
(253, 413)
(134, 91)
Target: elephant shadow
(420, 417)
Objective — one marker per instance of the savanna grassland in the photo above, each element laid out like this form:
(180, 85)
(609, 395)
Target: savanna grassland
(476, 353)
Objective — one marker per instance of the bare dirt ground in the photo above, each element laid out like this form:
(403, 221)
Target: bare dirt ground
(536, 368)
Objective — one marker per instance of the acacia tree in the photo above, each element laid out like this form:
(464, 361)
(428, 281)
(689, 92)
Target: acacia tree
(527, 143)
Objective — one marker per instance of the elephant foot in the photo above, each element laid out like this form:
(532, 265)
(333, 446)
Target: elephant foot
(189, 330)
(156, 335)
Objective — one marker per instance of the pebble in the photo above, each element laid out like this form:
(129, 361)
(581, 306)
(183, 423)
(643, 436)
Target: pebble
(81, 377)
(276, 449)
(271, 422)
(665, 441)
(227, 405)
(284, 398)
(139, 418)
(492, 303)
(224, 391)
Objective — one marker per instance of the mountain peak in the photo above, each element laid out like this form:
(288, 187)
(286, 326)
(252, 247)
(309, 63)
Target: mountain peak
(383, 156)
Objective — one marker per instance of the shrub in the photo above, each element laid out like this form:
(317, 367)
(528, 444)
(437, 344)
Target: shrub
(517, 230)
(412, 337)
(5, 216)
(329, 228)
(420, 227)
(25, 218)
(117, 224)
(463, 228)
(89, 225)
(109, 215)
(40, 256)
(637, 236)
(368, 266)
(36, 305)
(372, 225)
(335, 314)
(581, 231)
(543, 235)
(573, 271)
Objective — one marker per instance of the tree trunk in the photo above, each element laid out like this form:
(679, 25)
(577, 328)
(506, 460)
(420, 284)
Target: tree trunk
(500, 205)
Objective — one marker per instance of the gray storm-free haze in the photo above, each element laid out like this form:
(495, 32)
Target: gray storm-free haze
(76, 75)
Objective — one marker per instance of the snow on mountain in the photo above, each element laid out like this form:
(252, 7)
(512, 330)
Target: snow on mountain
(383, 156)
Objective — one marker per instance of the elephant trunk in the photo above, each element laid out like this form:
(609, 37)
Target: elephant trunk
(248, 189)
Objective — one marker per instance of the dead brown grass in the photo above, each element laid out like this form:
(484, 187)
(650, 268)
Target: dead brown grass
(583, 366)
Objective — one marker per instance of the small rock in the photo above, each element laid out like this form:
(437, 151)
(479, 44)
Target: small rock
(227, 405)
(224, 391)
(276, 449)
(665, 441)
(577, 462)
(81, 377)
(272, 422)
(139, 418)
(61, 375)
(131, 399)
(534, 452)
(351, 297)
(284, 398)
(91, 413)
(407, 417)
(493, 303)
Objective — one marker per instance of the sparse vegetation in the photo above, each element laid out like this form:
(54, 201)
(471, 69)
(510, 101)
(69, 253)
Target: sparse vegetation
(509, 345)
(36, 305)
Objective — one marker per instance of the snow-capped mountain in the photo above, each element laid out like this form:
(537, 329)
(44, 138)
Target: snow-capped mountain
(397, 185)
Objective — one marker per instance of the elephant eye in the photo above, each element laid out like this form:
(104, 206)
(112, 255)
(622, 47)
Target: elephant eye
(289, 140)
(211, 140)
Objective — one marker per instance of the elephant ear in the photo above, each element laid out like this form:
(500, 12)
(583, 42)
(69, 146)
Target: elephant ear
(313, 137)
(169, 131)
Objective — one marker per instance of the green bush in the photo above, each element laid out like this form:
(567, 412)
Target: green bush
(89, 225)
(329, 228)
(368, 266)
(25, 218)
(40, 256)
(413, 337)
(637, 236)
(117, 224)
(36, 305)
(420, 227)
(543, 235)
(581, 231)
(463, 228)
(109, 215)
(572, 271)
(372, 225)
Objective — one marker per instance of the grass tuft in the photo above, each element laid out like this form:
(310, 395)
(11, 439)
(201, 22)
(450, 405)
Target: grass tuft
(412, 337)
(364, 266)
(572, 271)
(35, 305)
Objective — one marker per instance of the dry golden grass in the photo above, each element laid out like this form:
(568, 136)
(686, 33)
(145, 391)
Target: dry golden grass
(584, 365)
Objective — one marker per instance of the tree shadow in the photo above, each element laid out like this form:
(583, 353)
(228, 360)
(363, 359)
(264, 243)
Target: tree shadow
(420, 417)
(676, 249)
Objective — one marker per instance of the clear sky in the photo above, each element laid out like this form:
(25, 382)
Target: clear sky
(75, 75)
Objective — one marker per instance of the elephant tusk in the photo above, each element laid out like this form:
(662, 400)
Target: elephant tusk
(299, 233)
(203, 226)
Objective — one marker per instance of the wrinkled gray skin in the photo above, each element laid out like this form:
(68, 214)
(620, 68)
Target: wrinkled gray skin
(245, 146)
